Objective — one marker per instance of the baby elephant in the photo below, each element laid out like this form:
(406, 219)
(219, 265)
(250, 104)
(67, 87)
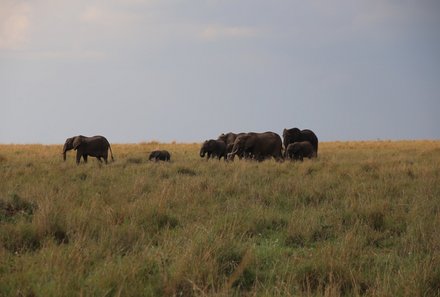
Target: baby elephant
(300, 150)
(160, 155)
(213, 148)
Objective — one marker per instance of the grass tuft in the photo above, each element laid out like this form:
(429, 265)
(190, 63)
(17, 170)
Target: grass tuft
(20, 238)
(133, 160)
(186, 171)
(16, 206)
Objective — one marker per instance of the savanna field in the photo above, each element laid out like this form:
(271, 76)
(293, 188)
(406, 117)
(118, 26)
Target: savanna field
(363, 219)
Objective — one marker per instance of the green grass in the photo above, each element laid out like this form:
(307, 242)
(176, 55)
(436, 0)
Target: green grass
(361, 220)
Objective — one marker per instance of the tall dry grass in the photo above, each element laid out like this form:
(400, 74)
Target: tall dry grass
(361, 220)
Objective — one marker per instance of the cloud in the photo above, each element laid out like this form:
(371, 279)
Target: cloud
(68, 55)
(380, 12)
(91, 14)
(107, 16)
(14, 25)
(217, 32)
(377, 13)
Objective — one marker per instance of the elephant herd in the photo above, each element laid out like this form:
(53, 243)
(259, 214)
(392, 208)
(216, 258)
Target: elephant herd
(298, 144)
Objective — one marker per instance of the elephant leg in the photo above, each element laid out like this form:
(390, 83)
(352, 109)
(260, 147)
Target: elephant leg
(258, 157)
(279, 158)
(105, 156)
(78, 157)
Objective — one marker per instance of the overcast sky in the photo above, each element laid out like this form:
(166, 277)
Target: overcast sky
(186, 71)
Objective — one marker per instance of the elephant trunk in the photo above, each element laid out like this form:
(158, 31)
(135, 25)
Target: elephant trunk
(231, 155)
(64, 152)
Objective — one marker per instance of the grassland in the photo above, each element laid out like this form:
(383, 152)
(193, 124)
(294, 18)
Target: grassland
(361, 220)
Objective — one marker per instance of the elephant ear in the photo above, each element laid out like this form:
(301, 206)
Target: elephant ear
(68, 144)
(247, 141)
(76, 142)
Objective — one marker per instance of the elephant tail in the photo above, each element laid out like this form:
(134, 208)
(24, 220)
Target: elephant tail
(111, 153)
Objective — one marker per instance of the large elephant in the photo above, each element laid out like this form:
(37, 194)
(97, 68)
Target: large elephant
(213, 148)
(297, 135)
(95, 146)
(258, 146)
(300, 150)
(229, 139)
(159, 155)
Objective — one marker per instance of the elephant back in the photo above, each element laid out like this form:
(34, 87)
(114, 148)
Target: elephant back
(229, 138)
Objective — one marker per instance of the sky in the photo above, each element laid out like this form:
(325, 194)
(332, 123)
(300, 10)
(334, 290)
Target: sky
(185, 71)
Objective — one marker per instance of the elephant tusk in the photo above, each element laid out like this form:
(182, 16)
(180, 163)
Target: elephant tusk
(231, 156)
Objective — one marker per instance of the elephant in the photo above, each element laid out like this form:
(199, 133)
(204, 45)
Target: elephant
(96, 146)
(300, 150)
(297, 135)
(229, 139)
(258, 146)
(214, 148)
(159, 155)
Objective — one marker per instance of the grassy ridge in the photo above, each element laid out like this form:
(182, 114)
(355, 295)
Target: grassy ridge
(361, 220)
